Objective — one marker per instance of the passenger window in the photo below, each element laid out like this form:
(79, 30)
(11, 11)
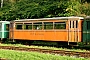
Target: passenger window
(48, 25)
(88, 25)
(7, 26)
(59, 25)
(19, 26)
(37, 26)
(28, 26)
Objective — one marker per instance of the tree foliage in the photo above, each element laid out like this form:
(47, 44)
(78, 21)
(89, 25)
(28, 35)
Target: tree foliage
(26, 9)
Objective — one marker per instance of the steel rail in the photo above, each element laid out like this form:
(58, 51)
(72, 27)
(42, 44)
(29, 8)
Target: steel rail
(55, 52)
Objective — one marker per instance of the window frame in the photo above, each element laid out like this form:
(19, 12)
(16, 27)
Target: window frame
(29, 26)
(7, 27)
(16, 24)
(60, 23)
(37, 25)
(48, 25)
(88, 25)
(73, 24)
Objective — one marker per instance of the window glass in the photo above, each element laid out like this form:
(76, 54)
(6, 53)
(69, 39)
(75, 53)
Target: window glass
(48, 25)
(37, 26)
(28, 26)
(88, 25)
(19, 26)
(59, 25)
(76, 24)
(7, 26)
(72, 24)
(0, 26)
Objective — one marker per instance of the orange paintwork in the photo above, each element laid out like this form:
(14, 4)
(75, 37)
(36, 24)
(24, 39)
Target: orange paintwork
(48, 35)
(41, 35)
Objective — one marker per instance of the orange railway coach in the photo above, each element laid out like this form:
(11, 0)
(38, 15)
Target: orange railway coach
(62, 29)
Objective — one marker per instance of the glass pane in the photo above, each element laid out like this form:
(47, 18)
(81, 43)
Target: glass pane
(48, 25)
(73, 25)
(60, 25)
(88, 25)
(70, 24)
(7, 26)
(28, 26)
(19, 26)
(0, 26)
(37, 26)
(76, 24)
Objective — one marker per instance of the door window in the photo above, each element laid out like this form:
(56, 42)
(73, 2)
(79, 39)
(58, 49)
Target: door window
(73, 24)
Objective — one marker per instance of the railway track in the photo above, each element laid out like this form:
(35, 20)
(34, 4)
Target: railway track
(55, 52)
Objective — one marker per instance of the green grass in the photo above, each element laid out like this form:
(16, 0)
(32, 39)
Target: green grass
(23, 55)
(43, 47)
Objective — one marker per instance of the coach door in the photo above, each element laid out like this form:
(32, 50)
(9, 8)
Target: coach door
(73, 31)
